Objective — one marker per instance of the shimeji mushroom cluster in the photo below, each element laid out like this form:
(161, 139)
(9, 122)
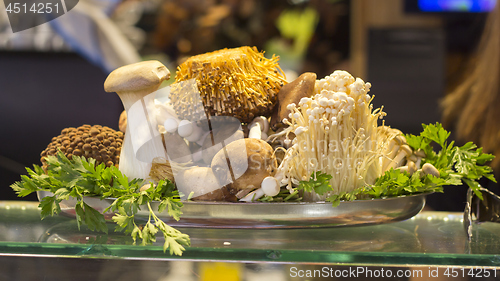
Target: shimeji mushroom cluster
(337, 133)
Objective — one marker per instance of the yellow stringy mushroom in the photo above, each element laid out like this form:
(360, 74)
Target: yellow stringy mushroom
(238, 82)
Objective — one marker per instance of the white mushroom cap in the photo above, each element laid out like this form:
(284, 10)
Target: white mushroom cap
(258, 128)
(406, 149)
(185, 128)
(270, 186)
(429, 169)
(264, 124)
(171, 125)
(420, 153)
(137, 76)
(196, 135)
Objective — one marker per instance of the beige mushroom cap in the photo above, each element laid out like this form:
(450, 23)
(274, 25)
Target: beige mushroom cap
(137, 76)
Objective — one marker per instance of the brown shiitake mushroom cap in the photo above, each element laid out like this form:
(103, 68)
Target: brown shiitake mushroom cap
(292, 92)
(99, 142)
(238, 82)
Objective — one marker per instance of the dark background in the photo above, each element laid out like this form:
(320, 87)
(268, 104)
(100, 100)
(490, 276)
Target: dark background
(41, 94)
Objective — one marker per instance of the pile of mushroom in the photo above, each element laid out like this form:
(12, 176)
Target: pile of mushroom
(208, 159)
(211, 136)
(336, 132)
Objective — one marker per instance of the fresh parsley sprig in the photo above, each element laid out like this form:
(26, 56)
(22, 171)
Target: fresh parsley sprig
(456, 164)
(80, 177)
(127, 206)
(319, 182)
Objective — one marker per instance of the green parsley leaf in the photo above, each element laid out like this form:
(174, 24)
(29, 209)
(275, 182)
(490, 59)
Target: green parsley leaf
(80, 177)
(335, 199)
(49, 206)
(456, 164)
(435, 133)
(319, 182)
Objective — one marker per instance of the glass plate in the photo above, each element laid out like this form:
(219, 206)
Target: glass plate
(274, 215)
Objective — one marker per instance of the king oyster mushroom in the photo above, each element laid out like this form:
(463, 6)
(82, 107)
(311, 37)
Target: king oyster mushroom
(136, 84)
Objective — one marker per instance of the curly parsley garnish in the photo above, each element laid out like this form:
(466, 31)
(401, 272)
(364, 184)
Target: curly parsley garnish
(456, 164)
(80, 177)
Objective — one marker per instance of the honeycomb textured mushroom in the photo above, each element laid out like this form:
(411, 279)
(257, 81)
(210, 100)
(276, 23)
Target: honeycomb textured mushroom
(99, 142)
(238, 82)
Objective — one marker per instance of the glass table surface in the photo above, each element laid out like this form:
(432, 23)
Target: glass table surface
(430, 238)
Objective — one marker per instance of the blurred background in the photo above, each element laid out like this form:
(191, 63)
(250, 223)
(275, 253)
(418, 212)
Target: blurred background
(413, 52)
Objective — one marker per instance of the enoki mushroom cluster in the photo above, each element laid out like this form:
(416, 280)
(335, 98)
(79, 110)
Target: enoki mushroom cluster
(238, 82)
(336, 132)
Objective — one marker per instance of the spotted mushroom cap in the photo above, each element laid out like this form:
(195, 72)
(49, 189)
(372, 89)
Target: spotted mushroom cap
(238, 82)
(99, 142)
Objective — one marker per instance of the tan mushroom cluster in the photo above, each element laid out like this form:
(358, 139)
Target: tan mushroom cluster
(238, 82)
(99, 142)
(216, 159)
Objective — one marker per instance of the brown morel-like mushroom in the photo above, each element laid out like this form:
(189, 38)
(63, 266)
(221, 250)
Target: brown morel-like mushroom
(238, 82)
(99, 142)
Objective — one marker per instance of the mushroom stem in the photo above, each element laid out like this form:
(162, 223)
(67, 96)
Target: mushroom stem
(255, 131)
(419, 154)
(390, 153)
(418, 162)
(254, 195)
(412, 168)
(136, 84)
(404, 151)
(258, 128)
